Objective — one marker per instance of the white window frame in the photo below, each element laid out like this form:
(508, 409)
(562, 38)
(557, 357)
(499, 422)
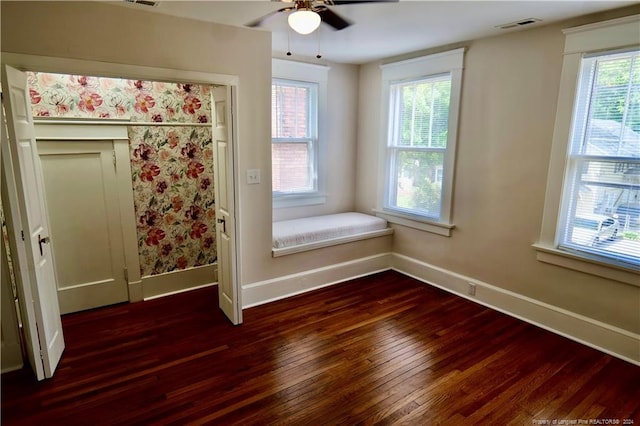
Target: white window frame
(450, 62)
(610, 35)
(316, 74)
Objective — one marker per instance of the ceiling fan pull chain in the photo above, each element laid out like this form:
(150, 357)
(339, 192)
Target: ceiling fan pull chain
(288, 41)
(318, 55)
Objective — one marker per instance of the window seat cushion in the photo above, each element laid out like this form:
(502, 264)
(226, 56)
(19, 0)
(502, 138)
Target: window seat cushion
(290, 236)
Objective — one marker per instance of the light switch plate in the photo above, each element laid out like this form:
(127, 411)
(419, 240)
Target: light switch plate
(253, 176)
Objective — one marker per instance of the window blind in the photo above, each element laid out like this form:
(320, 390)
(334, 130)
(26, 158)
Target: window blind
(419, 122)
(602, 202)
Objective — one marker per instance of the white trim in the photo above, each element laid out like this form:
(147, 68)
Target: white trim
(310, 73)
(108, 69)
(302, 71)
(285, 201)
(424, 65)
(607, 35)
(446, 62)
(184, 290)
(422, 224)
(596, 334)
(278, 288)
(277, 252)
(113, 122)
(173, 282)
(136, 293)
(587, 265)
(155, 73)
(128, 219)
(80, 131)
(86, 131)
(604, 35)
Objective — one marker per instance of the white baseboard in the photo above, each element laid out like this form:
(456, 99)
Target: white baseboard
(290, 285)
(598, 335)
(135, 291)
(154, 286)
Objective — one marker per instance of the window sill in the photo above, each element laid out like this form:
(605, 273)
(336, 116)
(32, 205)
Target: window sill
(287, 201)
(416, 222)
(585, 264)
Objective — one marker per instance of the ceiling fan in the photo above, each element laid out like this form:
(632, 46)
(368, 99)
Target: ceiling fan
(306, 15)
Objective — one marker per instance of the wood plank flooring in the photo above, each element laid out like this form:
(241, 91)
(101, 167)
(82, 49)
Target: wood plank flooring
(384, 349)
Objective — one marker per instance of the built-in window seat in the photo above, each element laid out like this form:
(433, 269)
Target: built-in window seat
(309, 233)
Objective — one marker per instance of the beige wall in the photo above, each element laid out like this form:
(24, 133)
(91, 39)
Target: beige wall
(115, 34)
(101, 32)
(509, 94)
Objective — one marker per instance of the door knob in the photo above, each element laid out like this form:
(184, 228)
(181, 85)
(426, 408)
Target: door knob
(41, 241)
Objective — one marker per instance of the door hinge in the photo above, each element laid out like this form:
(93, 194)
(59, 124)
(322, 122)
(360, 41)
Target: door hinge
(114, 158)
(22, 234)
(41, 354)
(126, 274)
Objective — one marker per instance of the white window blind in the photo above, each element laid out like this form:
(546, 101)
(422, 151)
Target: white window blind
(600, 213)
(294, 115)
(418, 134)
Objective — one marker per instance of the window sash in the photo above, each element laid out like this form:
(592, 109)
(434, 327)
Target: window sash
(595, 182)
(310, 185)
(309, 138)
(432, 187)
(427, 199)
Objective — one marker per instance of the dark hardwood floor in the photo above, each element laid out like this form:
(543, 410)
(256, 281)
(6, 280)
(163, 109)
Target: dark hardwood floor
(384, 349)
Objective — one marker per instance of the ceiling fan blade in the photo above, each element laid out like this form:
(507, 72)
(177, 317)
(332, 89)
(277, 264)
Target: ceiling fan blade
(331, 18)
(261, 20)
(339, 2)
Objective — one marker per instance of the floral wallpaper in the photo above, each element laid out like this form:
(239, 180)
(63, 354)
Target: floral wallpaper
(57, 95)
(172, 166)
(175, 206)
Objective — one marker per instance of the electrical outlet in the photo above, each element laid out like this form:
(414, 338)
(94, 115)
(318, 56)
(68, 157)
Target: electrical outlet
(471, 291)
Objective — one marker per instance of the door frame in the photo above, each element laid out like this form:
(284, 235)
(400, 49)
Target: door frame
(106, 69)
(73, 130)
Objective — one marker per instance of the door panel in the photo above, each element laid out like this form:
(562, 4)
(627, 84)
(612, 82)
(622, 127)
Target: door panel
(86, 236)
(37, 267)
(225, 207)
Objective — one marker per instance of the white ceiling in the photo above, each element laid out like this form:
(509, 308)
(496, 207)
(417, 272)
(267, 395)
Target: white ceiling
(382, 30)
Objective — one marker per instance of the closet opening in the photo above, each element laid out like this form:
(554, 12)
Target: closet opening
(131, 173)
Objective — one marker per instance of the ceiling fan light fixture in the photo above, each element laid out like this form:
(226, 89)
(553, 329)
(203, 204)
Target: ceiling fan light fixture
(304, 21)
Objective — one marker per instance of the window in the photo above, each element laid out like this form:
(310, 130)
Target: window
(423, 98)
(298, 105)
(418, 122)
(591, 219)
(601, 212)
(294, 122)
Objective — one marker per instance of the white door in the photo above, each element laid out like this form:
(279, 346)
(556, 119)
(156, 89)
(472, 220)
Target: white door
(10, 348)
(86, 237)
(37, 268)
(225, 205)
(19, 253)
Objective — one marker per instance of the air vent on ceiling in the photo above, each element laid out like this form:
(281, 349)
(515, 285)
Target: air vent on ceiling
(143, 2)
(520, 23)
